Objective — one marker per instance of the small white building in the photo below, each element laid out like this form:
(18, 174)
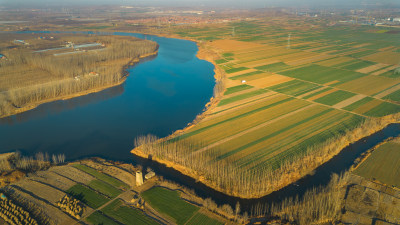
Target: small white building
(139, 178)
(243, 81)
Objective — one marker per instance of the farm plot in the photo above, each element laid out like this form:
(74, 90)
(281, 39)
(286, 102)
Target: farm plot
(101, 176)
(295, 87)
(53, 179)
(383, 164)
(104, 188)
(383, 109)
(395, 96)
(126, 215)
(87, 196)
(335, 97)
(241, 97)
(250, 76)
(368, 85)
(200, 219)
(58, 217)
(322, 74)
(112, 170)
(72, 174)
(169, 203)
(238, 88)
(387, 57)
(43, 191)
(97, 218)
(276, 142)
(246, 118)
(269, 80)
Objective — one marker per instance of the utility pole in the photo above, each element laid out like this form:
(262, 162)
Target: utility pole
(233, 31)
(288, 41)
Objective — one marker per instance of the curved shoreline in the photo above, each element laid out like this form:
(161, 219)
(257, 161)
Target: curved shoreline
(125, 74)
(347, 139)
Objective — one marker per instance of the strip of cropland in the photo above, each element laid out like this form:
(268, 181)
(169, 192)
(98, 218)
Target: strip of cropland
(287, 108)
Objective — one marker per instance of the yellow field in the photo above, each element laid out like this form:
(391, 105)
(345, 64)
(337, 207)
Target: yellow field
(369, 85)
(387, 57)
(270, 80)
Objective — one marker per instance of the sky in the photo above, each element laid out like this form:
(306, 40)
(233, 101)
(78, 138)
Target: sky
(219, 3)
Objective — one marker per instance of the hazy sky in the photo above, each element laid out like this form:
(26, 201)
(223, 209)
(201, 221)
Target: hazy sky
(227, 3)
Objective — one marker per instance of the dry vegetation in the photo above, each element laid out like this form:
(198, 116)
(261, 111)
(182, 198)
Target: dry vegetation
(13, 214)
(21, 73)
(71, 205)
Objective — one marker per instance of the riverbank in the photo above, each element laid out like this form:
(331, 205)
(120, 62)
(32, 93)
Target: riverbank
(124, 75)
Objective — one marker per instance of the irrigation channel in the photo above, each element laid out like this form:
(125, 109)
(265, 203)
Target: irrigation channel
(162, 94)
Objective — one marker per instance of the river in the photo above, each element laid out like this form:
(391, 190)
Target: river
(162, 94)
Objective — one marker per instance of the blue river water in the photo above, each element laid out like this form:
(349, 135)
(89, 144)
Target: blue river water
(162, 94)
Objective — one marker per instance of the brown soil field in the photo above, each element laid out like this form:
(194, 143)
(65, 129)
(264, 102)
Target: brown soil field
(41, 190)
(113, 171)
(72, 173)
(57, 216)
(53, 179)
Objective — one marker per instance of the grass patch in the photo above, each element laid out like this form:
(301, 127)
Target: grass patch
(238, 88)
(322, 74)
(275, 67)
(97, 218)
(358, 65)
(234, 70)
(294, 87)
(246, 75)
(104, 188)
(168, 202)
(220, 61)
(241, 97)
(101, 176)
(87, 196)
(228, 54)
(200, 219)
(383, 109)
(335, 97)
(126, 215)
(383, 164)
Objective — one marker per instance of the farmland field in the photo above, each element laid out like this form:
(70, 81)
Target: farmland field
(284, 103)
(200, 219)
(126, 215)
(169, 203)
(104, 188)
(87, 196)
(101, 176)
(97, 218)
(383, 164)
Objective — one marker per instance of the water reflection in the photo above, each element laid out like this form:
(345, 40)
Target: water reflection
(63, 105)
